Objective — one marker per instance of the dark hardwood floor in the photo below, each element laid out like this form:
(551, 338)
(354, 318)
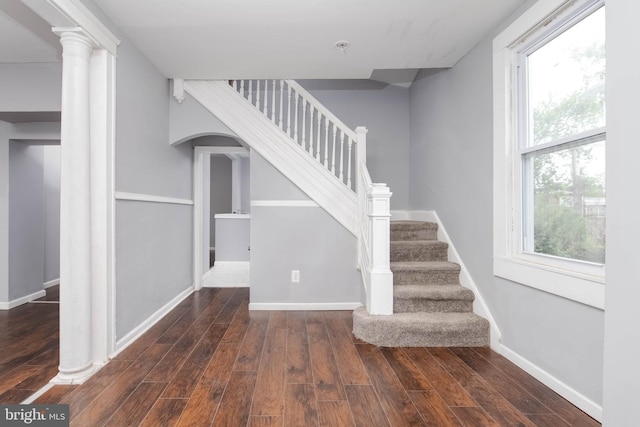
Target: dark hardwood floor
(28, 347)
(211, 362)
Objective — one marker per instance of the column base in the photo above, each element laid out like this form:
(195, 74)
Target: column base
(76, 377)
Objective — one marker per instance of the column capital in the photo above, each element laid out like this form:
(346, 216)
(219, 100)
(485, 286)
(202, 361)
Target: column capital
(74, 35)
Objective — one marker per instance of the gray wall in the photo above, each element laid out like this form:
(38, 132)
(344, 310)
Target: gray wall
(297, 238)
(29, 214)
(190, 119)
(30, 87)
(451, 173)
(220, 190)
(153, 240)
(26, 220)
(51, 174)
(245, 186)
(622, 317)
(5, 129)
(384, 110)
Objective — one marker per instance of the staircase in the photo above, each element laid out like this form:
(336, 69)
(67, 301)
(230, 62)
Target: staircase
(430, 307)
(413, 296)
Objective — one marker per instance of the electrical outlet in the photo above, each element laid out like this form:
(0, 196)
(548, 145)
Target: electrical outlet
(295, 276)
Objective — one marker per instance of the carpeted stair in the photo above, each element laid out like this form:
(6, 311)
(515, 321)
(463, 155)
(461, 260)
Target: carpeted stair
(431, 308)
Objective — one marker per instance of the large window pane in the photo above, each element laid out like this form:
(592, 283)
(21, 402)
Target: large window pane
(564, 214)
(566, 82)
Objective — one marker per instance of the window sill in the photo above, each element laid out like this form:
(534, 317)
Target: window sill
(578, 287)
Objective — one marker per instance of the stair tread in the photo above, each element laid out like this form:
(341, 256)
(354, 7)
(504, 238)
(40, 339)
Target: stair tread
(433, 242)
(412, 224)
(433, 292)
(424, 265)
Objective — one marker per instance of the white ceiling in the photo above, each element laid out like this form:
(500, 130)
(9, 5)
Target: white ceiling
(221, 39)
(224, 39)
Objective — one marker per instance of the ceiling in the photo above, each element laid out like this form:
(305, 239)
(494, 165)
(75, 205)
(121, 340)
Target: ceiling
(220, 39)
(224, 39)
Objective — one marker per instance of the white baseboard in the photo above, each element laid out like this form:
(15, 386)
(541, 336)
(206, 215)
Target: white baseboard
(564, 390)
(143, 327)
(51, 283)
(304, 306)
(228, 274)
(8, 305)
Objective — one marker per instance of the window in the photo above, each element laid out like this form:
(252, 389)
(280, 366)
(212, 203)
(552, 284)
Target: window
(550, 147)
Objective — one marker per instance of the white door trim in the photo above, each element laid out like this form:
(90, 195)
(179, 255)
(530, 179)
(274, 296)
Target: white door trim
(201, 242)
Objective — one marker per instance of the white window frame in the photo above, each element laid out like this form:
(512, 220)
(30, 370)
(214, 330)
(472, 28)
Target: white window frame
(575, 280)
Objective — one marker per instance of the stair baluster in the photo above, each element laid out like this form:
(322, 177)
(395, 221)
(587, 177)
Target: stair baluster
(258, 94)
(295, 127)
(333, 150)
(311, 111)
(281, 98)
(273, 102)
(318, 139)
(326, 143)
(266, 98)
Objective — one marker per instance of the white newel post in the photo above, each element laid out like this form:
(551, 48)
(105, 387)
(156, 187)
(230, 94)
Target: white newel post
(380, 295)
(76, 360)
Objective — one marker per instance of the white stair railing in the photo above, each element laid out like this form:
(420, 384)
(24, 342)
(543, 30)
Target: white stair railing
(330, 142)
(306, 121)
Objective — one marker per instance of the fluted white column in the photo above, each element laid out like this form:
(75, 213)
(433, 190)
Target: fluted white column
(76, 360)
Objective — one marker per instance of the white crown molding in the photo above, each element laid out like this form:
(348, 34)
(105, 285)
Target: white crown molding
(8, 305)
(137, 197)
(72, 13)
(286, 156)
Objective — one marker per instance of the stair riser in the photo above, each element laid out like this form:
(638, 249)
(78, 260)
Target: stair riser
(418, 253)
(397, 235)
(415, 305)
(388, 335)
(433, 277)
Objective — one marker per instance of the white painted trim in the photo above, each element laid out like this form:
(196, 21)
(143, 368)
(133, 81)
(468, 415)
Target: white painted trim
(143, 327)
(581, 289)
(76, 12)
(77, 378)
(480, 306)
(228, 274)
(201, 240)
(22, 300)
(566, 391)
(560, 277)
(277, 148)
(304, 306)
(50, 283)
(137, 197)
(37, 394)
(285, 203)
(232, 216)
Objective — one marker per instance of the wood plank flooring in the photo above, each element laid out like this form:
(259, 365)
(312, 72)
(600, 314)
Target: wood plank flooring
(211, 362)
(28, 347)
